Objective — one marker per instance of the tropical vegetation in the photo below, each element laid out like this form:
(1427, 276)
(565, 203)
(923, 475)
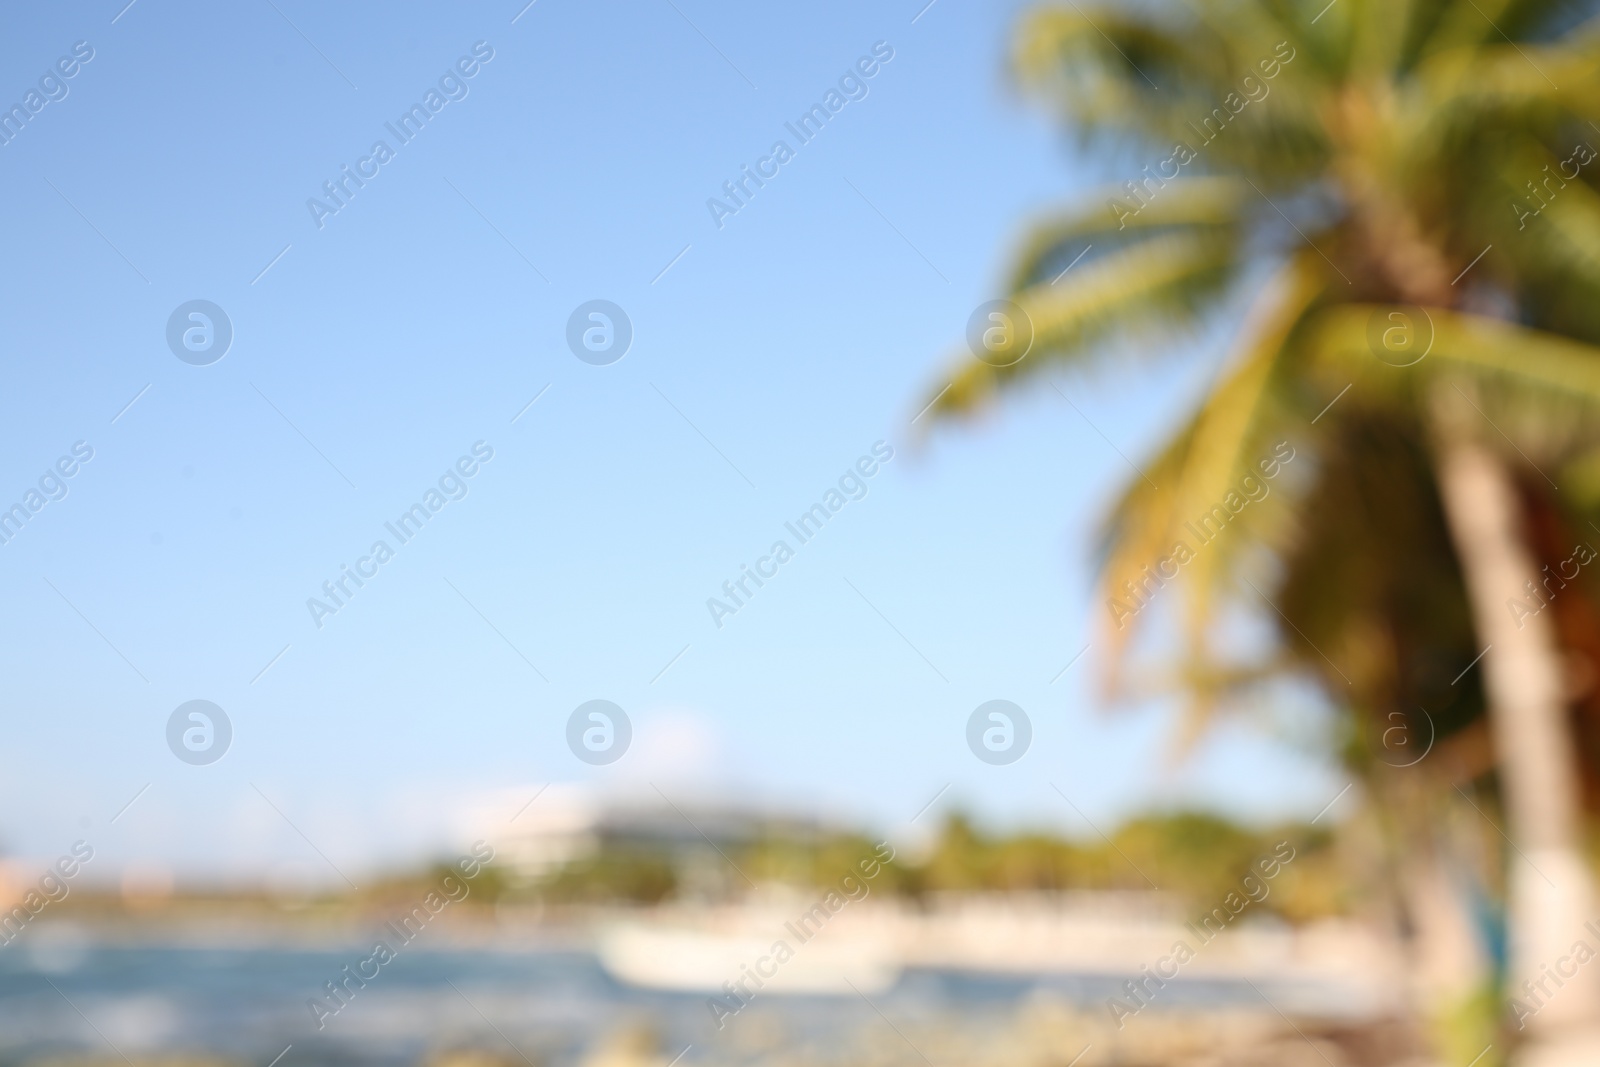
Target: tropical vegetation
(1392, 206)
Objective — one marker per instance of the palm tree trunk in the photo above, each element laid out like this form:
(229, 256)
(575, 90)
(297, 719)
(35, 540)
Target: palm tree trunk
(1551, 891)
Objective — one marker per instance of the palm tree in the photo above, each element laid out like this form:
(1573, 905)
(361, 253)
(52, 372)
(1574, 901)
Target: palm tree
(1407, 189)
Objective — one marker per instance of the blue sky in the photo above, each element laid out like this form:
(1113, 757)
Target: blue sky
(425, 314)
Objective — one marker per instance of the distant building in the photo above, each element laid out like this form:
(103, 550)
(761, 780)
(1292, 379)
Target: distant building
(566, 824)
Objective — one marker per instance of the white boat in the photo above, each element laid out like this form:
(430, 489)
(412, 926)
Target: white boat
(701, 958)
(1331, 968)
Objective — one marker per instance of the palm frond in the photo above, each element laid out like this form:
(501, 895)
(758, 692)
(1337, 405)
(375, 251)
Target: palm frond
(1200, 471)
(1114, 217)
(1150, 287)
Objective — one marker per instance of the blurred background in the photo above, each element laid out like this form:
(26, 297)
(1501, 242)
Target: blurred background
(619, 536)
